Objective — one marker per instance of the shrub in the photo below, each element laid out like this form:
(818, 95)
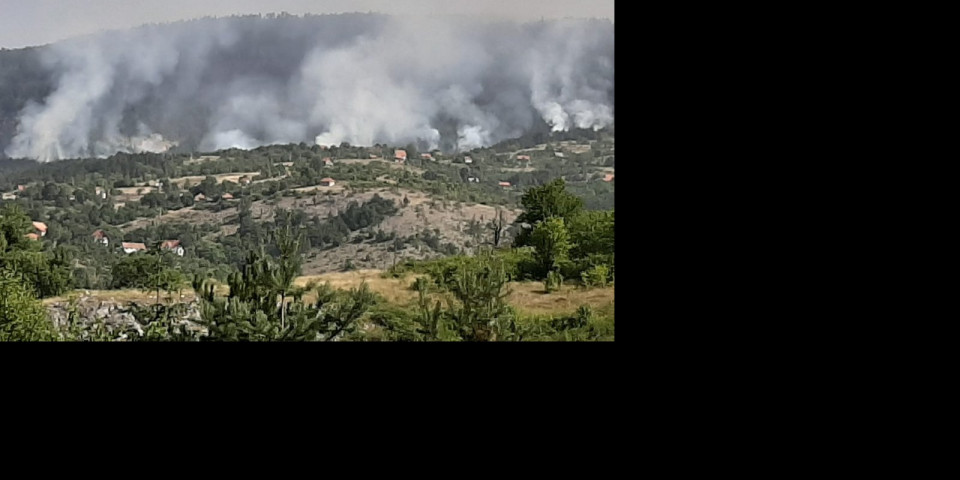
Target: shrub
(596, 276)
(553, 282)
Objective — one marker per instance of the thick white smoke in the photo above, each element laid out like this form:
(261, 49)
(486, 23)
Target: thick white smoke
(361, 79)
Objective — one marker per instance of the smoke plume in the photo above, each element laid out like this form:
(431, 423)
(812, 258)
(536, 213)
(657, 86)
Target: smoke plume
(358, 78)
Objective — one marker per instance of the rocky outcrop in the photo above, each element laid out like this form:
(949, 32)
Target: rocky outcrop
(119, 320)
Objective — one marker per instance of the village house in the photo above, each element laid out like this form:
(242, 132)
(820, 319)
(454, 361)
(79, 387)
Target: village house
(101, 237)
(21, 188)
(373, 156)
(504, 184)
(400, 156)
(426, 156)
(467, 160)
(199, 198)
(41, 228)
(245, 180)
(327, 182)
(473, 179)
(129, 247)
(33, 236)
(327, 162)
(101, 192)
(558, 154)
(523, 157)
(608, 177)
(226, 196)
(174, 246)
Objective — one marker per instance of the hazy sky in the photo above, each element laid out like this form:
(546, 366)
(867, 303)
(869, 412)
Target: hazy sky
(37, 22)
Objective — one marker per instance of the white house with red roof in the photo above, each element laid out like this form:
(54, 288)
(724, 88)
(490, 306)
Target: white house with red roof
(131, 247)
(100, 237)
(41, 228)
(174, 246)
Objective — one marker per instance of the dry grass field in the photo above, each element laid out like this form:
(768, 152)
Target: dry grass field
(527, 297)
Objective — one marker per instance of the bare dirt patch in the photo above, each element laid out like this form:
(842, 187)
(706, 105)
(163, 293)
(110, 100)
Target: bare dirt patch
(393, 165)
(205, 158)
(184, 215)
(225, 177)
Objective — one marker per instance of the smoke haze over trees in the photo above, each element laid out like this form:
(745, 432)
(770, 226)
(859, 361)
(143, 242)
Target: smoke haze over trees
(358, 78)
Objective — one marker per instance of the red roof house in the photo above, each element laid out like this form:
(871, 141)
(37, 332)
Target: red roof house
(130, 247)
(504, 184)
(400, 155)
(327, 182)
(40, 227)
(100, 237)
(173, 245)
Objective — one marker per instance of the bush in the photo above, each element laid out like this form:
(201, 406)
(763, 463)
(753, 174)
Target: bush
(596, 276)
(22, 317)
(553, 282)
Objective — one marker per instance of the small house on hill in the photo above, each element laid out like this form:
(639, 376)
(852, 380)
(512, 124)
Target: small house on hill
(523, 157)
(558, 154)
(41, 228)
(101, 192)
(174, 246)
(245, 180)
(327, 161)
(400, 155)
(226, 196)
(33, 236)
(327, 182)
(372, 155)
(100, 237)
(199, 198)
(21, 188)
(129, 247)
(426, 156)
(608, 177)
(467, 160)
(504, 184)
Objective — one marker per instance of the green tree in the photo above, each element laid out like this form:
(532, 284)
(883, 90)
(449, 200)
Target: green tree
(15, 224)
(551, 244)
(132, 271)
(287, 267)
(22, 317)
(45, 273)
(592, 233)
(543, 202)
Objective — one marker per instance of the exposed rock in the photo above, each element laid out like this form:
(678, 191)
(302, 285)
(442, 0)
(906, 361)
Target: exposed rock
(117, 318)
